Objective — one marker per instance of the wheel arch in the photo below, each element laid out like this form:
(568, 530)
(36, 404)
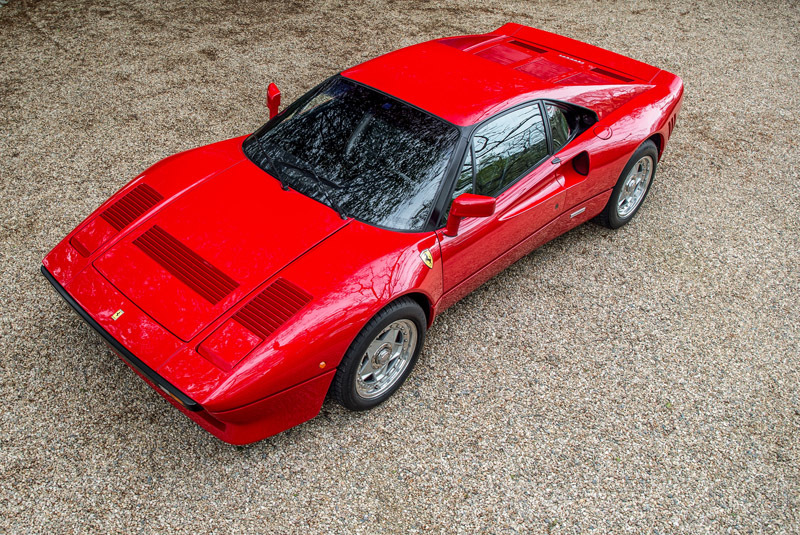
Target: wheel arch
(422, 300)
(658, 140)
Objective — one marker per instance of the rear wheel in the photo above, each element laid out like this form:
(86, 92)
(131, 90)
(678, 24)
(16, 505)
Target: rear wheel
(631, 188)
(381, 357)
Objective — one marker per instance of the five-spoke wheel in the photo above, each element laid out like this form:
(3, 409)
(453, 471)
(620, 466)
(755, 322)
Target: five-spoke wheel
(632, 187)
(381, 356)
(386, 358)
(635, 186)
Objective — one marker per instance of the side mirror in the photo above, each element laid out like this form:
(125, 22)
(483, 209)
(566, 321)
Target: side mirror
(468, 205)
(273, 100)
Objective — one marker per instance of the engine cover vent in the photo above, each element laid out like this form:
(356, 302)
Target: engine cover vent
(529, 46)
(610, 74)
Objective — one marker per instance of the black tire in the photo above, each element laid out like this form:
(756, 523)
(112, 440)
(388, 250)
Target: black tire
(610, 216)
(343, 388)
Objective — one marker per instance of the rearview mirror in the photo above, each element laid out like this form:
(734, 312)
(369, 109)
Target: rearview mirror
(273, 100)
(468, 205)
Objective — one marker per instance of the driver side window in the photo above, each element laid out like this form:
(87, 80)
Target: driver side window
(507, 148)
(504, 150)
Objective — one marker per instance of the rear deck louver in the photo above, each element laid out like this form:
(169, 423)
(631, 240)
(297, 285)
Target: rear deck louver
(544, 69)
(528, 46)
(131, 206)
(271, 308)
(610, 74)
(185, 265)
(585, 78)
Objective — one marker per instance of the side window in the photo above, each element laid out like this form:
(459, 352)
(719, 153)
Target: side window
(463, 182)
(507, 147)
(559, 126)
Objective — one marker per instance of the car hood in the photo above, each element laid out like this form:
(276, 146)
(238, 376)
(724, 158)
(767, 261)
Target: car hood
(211, 245)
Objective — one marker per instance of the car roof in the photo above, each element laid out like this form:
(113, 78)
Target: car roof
(469, 78)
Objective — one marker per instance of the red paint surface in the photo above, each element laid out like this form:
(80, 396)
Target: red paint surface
(237, 218)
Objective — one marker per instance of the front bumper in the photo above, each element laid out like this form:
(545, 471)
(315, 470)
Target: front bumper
(139, 366)
(243, 425)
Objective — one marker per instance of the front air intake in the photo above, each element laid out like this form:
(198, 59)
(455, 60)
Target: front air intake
(131, 206)
(185, 265)
(271, 308)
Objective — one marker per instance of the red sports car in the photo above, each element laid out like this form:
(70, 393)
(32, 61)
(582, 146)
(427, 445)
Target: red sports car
(248, 279)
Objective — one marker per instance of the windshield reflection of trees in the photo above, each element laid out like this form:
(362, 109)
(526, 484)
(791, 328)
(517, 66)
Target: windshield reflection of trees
(380, 160)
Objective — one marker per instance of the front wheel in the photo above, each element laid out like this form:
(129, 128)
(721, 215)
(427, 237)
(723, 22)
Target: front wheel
(381, 357)
(631, 188)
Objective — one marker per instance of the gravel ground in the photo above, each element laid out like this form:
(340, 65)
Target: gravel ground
(643, 380)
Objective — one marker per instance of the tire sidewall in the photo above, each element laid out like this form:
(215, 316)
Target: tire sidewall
(407, 309)
(647, 148)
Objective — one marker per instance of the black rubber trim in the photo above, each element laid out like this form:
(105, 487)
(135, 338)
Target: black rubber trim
(126, 355)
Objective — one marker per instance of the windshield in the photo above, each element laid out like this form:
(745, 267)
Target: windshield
(363, 153)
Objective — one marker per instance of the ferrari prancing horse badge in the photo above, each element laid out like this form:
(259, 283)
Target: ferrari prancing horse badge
(427, 258)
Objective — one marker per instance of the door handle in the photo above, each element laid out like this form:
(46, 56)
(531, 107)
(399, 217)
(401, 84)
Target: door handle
(577, 212)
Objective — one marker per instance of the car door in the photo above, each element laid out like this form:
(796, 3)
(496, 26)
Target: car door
(509, 158)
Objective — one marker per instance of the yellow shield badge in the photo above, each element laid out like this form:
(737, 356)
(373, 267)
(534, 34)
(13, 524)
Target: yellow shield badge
(427, 258)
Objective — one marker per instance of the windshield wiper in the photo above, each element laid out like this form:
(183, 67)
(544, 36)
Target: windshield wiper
(320, 181)
(270, 163)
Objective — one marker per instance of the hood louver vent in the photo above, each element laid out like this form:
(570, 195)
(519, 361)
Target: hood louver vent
(131, 206)
(185, 265)
(270, 309)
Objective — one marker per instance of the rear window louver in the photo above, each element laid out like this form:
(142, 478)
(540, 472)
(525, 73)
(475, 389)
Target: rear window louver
(503, 54)
(271, 308)
(131, 206)
(585, 78)
(185, 265)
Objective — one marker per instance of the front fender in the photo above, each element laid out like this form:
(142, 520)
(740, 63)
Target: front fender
(351, 276)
